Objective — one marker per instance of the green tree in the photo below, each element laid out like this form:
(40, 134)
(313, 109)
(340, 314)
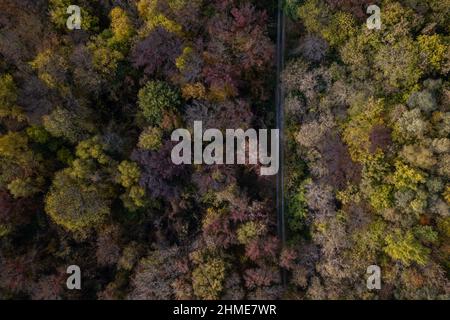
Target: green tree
(38, 134)
(93, 148)
(314, 15)
(357, 130)
(426, 234)
(76, 205)
(8, 97)
(297, 210)
(25, 187)
(21, 169)
(291, 8)
(406, 248)
(129, 175)
(105, 59)
(406, 177)
(51, 66)
(110, 47)
(355, 51)
(81, 195)
(368, 241)
(155, 98)
(399, 64)
(121, 26)
(434, 50)
(250, 231)
(342, 27)
(63, 123)
(150, 138)
(381, 197)
(208, 278)
(134, 198)
(59, 16)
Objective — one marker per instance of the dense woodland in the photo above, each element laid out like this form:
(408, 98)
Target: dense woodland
(368, 154)
(86, 176)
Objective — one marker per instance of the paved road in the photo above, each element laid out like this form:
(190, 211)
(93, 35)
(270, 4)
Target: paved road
(280, 125)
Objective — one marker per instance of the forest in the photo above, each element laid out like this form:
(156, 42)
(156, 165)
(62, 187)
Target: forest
(86, 176)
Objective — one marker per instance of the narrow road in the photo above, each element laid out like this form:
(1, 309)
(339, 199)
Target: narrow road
(279, 101)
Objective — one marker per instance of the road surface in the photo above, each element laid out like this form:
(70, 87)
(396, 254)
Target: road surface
(279, 104)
